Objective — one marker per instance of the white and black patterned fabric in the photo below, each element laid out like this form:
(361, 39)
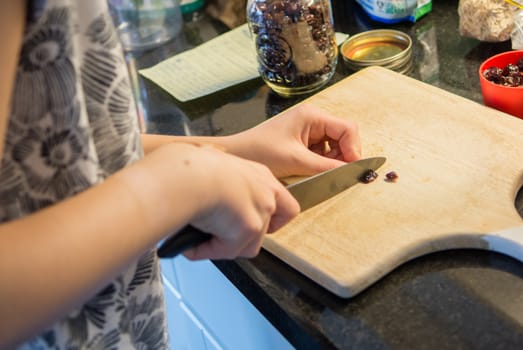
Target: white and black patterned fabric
(73, 122)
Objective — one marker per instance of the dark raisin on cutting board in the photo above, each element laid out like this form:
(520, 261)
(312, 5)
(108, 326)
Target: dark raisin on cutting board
(391, 176)
(369, 176)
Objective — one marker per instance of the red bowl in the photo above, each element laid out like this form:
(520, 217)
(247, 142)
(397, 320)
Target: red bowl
(504, 98)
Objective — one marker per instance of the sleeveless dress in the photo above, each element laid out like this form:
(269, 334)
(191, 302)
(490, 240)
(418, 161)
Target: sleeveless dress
(73, 122)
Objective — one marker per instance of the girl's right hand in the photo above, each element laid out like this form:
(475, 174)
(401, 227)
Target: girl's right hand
(236, 200)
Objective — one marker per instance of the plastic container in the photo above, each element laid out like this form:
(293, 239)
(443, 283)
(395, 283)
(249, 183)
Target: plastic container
(295, 43)
(190, 6)
(395, 11)
(503, 98)
(144, 24)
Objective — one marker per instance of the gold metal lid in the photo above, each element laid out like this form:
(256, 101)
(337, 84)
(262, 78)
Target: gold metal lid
(381, 47)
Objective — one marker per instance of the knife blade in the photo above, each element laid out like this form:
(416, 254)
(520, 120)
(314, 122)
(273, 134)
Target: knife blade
(308, 192)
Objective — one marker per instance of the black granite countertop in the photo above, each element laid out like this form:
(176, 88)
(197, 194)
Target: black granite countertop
(461, 299)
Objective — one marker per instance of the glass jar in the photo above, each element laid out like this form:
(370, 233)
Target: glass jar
(295, 43)
(144, 24)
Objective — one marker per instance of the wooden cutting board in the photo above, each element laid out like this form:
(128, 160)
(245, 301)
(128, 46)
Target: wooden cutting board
(460, 165)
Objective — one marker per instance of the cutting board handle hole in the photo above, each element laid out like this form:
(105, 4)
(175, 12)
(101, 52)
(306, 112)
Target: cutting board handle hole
(519, 202)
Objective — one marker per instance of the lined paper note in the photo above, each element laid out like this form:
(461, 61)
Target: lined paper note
(224, 61)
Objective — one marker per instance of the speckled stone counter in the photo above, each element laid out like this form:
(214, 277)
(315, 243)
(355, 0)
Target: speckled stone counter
(463, 299)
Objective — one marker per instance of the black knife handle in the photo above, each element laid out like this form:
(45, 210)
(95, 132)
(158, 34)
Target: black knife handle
(188, 237)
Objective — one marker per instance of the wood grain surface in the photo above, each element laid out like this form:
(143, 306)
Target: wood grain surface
(460, 165)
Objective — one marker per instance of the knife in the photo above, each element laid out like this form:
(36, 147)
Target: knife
(308, 192)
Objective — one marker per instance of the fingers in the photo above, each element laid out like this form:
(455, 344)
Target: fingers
(343, 138)
(219, 249)
(349, 143)
(287, 209)
(328, 148)
(238, 242)
(239, 230)
(246, 243)
(315, 160)
(342, 135)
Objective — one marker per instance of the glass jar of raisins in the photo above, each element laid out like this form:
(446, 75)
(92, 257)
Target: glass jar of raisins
(295, 43)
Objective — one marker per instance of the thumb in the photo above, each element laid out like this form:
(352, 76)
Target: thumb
(316, 163)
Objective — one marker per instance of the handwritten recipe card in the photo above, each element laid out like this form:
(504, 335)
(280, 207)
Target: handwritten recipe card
(224, 61)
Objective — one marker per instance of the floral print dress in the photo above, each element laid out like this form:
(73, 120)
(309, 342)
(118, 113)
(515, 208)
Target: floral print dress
(73, 122)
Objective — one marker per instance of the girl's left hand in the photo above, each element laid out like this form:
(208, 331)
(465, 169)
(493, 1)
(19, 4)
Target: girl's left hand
(301, 141)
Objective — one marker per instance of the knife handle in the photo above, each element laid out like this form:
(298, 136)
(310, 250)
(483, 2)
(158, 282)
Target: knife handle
(188, 237)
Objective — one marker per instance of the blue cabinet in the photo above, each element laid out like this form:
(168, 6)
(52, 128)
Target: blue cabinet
(206, 311)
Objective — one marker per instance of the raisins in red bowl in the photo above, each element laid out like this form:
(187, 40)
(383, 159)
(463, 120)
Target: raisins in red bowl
(501, 80)
(510, 75)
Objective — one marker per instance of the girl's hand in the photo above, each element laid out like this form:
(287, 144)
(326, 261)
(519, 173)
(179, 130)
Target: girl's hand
(234, 199)
(301, 141)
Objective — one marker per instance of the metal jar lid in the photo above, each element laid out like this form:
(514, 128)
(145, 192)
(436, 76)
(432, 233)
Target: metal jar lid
(381, 47)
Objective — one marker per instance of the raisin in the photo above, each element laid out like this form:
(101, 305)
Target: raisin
(391, 176)
(494, 74)
(513, 81)
(369, 176)
(511, 70)
(520, 64)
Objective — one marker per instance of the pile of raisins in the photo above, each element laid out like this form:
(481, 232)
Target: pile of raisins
(267, 19)
(511, 75)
